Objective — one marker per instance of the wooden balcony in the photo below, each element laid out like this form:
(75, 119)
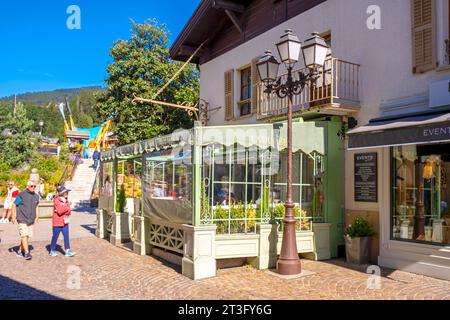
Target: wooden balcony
(336, 92)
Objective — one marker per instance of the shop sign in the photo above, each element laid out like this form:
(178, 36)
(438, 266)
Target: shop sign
(366, 177)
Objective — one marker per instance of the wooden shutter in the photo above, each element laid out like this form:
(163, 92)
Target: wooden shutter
(229, 95)
(256, 81)
(423, 35)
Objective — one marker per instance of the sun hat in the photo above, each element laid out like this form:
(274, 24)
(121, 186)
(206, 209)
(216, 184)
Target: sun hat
(62, 190)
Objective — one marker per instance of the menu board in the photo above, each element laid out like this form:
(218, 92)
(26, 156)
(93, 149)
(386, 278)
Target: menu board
(366, 177)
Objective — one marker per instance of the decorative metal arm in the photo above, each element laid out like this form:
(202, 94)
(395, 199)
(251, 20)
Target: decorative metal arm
(291, 86)
(199, 110)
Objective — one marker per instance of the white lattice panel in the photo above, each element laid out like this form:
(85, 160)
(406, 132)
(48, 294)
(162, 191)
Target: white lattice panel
(166, 237)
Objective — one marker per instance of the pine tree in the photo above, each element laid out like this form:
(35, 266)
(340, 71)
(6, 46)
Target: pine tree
(16, 143)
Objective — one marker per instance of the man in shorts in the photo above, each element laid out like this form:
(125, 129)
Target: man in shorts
(11, 195)
(25, 213)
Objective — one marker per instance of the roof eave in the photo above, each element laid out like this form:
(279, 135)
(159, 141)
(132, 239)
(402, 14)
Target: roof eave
(190, 25)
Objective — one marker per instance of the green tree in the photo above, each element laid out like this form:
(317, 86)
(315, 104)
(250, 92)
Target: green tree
(142, 65)
(16, 143)
(53, 123)
(84, 121)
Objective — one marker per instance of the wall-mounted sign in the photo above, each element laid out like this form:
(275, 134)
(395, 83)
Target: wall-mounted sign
(366, 177)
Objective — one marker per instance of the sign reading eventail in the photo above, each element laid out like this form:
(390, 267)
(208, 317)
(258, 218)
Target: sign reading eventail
(366, 177)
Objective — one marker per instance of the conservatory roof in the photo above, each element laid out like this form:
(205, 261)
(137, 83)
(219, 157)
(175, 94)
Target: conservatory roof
(310, 139)
(155, 144)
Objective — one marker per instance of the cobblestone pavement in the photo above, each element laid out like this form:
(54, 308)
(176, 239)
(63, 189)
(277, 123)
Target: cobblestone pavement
(108, 272)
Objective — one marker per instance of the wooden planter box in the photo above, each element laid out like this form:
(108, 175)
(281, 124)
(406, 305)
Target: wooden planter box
(45, 209)
(358, 249)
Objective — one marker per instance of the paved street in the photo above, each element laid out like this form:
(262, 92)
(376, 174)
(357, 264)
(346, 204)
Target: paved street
(108, 272)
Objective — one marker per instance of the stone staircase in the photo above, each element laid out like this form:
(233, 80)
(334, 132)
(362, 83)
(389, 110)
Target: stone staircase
(81, 185)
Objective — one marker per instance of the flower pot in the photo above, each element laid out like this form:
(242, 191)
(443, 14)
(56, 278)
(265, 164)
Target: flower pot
(357, 249)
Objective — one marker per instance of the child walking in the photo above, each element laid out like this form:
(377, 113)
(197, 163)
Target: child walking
(61, 214)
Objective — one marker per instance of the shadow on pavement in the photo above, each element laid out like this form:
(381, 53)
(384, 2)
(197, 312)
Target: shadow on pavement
(16, 248)
(85, 209)
(168, 264)
(58, 248)
(13, 290)
(342, 262)
(90, 227)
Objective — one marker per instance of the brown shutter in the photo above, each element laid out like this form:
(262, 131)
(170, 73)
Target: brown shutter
(256, 81)
(229, 96)
(423, 35)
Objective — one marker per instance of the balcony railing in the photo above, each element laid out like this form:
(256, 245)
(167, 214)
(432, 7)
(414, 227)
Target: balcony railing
(338, 85)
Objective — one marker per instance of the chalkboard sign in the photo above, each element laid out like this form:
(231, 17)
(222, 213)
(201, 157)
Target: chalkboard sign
(366, 177)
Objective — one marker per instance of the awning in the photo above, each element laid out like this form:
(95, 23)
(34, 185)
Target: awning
(419, 129)
(259, 135)
(307, 137)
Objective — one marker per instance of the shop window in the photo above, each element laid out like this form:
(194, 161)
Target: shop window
(421, 194)
(168, 185)
(307, 184)
(106, 198)
(246, 92)
(128, 186)
(235, 189)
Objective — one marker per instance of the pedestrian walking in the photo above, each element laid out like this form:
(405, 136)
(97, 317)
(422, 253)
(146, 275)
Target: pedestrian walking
(40, 189)
(61, 214)
(25, 213)
(96, 158)
(11, 194)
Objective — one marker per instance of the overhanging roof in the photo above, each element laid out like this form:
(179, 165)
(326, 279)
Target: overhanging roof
(78, 135)
(201, 27)
(416, 129)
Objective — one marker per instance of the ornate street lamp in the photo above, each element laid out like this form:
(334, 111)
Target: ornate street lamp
(314, 54)
(41, 125)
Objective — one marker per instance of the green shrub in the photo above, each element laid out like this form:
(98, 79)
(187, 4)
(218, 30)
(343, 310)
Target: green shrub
(251, 214)
(221, 213)
(237, 212)
(121, 200)
(360, 227)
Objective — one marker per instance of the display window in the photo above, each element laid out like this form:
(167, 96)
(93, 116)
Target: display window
(420, 193)
(106, 199)
(168, 185)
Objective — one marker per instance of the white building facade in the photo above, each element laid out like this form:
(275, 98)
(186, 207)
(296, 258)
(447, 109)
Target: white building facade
(389, 61)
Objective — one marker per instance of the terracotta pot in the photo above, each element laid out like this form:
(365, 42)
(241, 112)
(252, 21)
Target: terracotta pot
(358, 249)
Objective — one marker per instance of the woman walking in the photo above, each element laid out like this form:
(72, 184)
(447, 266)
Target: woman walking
(61, 213)
(11, 193)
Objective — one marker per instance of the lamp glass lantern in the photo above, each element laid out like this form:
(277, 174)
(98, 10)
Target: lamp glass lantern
(289, 48)
(268, 67)
(315, 51)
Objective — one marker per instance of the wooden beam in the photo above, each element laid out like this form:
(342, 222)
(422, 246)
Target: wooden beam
(187, 50)
(237, 23)
(228, 5)
(219, 28)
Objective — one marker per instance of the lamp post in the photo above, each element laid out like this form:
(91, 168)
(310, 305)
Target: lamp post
(314, 54)
(41, 125)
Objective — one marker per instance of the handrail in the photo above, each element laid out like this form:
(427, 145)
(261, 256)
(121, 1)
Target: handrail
(69, 171)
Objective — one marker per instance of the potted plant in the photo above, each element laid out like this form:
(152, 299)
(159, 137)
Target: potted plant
(358, 238)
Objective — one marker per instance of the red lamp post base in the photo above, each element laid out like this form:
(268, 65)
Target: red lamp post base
(289, 267)
(289, 262)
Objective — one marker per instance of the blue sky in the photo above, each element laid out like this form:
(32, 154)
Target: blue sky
(38, 52)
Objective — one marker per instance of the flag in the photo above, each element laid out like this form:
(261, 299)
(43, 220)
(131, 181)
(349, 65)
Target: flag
(61, 109)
